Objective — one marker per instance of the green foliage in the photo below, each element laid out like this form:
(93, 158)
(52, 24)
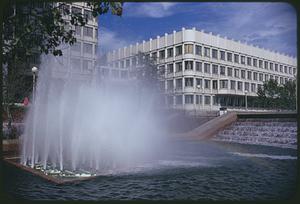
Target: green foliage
(275, 96)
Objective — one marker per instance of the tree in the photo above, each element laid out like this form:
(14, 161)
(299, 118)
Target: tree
(273, 95)
(38, 28)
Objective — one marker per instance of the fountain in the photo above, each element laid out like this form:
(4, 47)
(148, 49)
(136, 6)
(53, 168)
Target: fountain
(277, 132)
(85, 128)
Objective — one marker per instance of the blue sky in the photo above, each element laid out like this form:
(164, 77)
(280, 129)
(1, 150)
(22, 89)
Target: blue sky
(269, 25)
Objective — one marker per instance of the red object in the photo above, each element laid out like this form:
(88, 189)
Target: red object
(26, 101)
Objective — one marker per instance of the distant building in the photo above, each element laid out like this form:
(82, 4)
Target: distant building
(205, 71)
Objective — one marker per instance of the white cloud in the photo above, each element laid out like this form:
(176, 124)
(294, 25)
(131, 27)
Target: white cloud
(152, 10)
(109, 40)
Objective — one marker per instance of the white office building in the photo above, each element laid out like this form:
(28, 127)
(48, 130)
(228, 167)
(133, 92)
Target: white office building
(206, 71)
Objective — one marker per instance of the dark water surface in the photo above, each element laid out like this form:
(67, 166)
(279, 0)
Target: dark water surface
(194, 170)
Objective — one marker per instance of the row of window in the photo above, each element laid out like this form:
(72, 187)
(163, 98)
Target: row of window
(87, 31)
(87, 47)
(76, 64)
(190, 99)
(222, 55)
(76, 10)
(218, 70)
(114, 73)
(208, 84)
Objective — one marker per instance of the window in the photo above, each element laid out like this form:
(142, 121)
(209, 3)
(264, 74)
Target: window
(76, 47)
(249, 75)
(88, 31)
(76, 10)
(87, 64)
(188, 49)
(215, 100)
(266, 77)
(261, 77)
(281, 70)
(96, 33)
(236, 58)
(154, 55)
(207, 68)
(246, 86)
(198, 83)
(240, 86)
(285, 69)
(259, 86)
(189, 65)
(189, 81)
(294, 71)
(215, 84)
(249, 59)
(223, 84)
(206, 83)
(198, 50)
(260, 63)
(215, 69)
(122, 64)
(276, 78)
(127, 63)
(88, 14)
(170, 52)
(266, 65)
(243, 74)
(162, 54)
(170, 68)
(255, 62)
(199, 66)
(236, 73)
(207, 100)
(178, 50)
(161, 70)
(290, 70)
(87, 48)
(276, 67)
(232, 84)
(229, 56)
(75, 64)
(78, 30)
(255, 76)
(178, 66)
(253, 87)
(178, 100)
(215, 53)
(206, 52)
(243, 60)
(222, 70)
(178, 83)
(198, 99)
(133, 61)
(229, 71)
(281, 80)
(189, 99)
(170, 85)
(271, 66)
(124, 74)
(222, 55)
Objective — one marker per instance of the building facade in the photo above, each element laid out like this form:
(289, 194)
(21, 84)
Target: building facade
(205, 71)
(80, 59)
